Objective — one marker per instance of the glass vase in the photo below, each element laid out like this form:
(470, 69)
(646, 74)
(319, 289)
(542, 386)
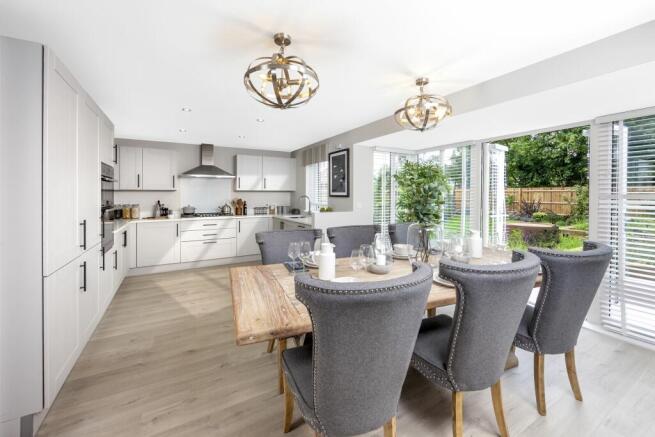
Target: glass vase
(425, 241)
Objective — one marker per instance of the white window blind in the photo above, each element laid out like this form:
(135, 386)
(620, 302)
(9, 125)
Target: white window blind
(494, 212)
(385, 166)
(456, 163)
(623, 155)
(316, 177)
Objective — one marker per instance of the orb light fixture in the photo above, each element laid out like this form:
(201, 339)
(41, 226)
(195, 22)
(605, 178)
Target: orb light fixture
(423, 111)
(281, 81)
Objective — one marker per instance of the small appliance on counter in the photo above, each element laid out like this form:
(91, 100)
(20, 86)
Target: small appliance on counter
(295, 211)
(226, 210)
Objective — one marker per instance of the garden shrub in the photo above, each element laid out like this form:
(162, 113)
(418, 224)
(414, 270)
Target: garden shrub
(540, 216)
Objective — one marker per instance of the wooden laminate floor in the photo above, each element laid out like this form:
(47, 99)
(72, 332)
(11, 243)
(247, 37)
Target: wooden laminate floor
(163, 362)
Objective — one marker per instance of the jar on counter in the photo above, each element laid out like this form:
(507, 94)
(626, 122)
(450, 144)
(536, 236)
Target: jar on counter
(126, 212)
(135, 211)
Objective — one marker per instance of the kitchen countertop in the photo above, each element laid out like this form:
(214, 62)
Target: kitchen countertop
(121, 224)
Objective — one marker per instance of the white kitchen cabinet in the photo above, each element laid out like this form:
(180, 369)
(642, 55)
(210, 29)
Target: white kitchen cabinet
(117, 260)
(279, 173)
(88, 174)
(159, 169)
(249, 173)
(61, 327)
(208, 249)
(62, 228)
(106, 279)
(246, 230)
(131, 246)
(130, 168)
(89, 294)
(108, 150)
(265, 173)
(158, 243)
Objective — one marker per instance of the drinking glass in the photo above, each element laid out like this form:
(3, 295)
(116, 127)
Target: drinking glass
(356, 260)
(368, 254)
(293, 252)
(305, 251)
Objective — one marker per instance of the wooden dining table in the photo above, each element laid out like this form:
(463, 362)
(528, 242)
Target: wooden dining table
(265, 307)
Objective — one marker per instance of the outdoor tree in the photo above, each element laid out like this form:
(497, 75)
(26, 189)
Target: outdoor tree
(551, 159)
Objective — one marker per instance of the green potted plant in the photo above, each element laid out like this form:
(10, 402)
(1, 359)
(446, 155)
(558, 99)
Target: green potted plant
(421, 194)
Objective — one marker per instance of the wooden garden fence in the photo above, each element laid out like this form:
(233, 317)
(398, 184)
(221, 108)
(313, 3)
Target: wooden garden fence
(555, 199)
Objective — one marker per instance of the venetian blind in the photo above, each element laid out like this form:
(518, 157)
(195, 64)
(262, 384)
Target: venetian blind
(495, 213)
(456, 164)
(316, 176)
(623, 155)
(385, 166)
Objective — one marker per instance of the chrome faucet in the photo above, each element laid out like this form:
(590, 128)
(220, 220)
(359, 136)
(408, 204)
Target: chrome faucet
(308, 200)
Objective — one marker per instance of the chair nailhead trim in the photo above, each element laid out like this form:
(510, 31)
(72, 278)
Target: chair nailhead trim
(427, 370)
(460, 314)
(367, 291)
(542, 304)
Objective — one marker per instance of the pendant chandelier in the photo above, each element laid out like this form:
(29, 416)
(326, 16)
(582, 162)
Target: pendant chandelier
(281, 81)
(424, 111)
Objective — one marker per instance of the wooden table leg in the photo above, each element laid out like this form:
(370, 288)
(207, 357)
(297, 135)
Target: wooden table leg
(432, 312)
(281, 347)
(512, 359)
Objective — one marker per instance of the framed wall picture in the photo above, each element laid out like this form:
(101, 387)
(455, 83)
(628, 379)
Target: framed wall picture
(339, 173)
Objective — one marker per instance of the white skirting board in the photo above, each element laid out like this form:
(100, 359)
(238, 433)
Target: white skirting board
(192, 265)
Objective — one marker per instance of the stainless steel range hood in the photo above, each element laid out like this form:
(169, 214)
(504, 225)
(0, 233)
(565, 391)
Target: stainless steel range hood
(207, 169)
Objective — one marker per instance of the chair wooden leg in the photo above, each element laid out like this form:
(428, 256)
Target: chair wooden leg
(497, 399)
(539, 389)
(288, 407)
(573, 374)
(271, 345)
(390, 428)
(281, 347)
(458, 414)
(512, 359)
(432, 312)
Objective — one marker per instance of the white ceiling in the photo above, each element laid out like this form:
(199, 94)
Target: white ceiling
(579, 102)
(144, 60)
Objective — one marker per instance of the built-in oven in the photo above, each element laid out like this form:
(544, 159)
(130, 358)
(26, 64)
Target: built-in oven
(107, 206)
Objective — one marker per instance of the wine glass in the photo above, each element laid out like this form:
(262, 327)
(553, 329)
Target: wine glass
(368, 254)
(293, 252)
(356, 259)
(305, 251)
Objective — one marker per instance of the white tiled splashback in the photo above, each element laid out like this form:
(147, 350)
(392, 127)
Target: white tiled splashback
(205, 194)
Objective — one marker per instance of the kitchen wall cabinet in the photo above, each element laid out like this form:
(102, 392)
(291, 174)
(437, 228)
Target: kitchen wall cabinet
(249, 173)
(246, 230)
(279, 173)
(265, 173)
(130, 168)
(71, 313)
(146, 169)
(158, 243)
(108, 150)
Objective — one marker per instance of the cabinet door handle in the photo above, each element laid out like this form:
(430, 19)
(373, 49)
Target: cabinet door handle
(239, 182)
(264, 183)
(173, 181)
(83, 287)
(208, 235)
(115, 153)
(124, 238)
(209, 224)
(116, 260)
(138, 180)
(208, 242)
(177, 229)
(83, 224)
(103, 258)
(239, 225)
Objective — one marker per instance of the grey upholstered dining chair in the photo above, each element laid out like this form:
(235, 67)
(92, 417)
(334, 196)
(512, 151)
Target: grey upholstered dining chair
(398, 233)
(274, 247)
(569, 284)
(347, 238)
(468, 352)
(349, 381)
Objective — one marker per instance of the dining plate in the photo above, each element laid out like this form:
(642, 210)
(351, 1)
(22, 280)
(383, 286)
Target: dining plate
(443, 282)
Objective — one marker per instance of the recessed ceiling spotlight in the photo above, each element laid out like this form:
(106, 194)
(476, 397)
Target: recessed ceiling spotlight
(182, 130)
(259, 120)
(241, 137)
(186, 109)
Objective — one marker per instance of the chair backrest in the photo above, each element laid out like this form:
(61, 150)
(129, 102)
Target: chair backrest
(398, 233)
(491, 300)
(347, 238)
(274, 245)
(364, 335)
(570, 281)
